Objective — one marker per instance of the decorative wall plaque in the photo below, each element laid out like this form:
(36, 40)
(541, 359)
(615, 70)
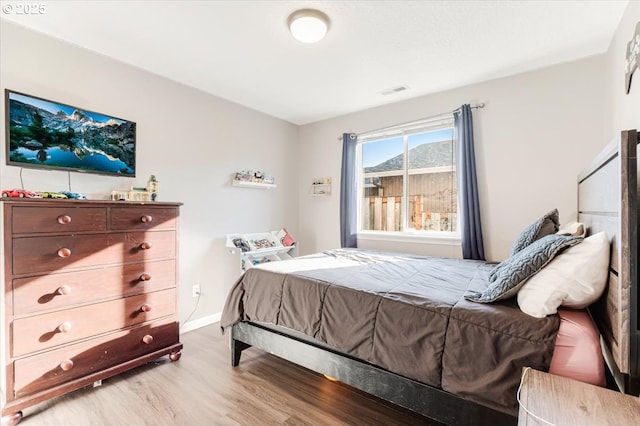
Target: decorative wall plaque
(633, 58)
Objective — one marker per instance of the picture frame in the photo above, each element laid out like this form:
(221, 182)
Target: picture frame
(46, 134)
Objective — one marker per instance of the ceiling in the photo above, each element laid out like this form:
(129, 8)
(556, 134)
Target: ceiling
(242, 51)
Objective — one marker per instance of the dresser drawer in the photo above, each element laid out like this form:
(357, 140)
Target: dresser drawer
(48, 330)
(26, 220)
(58, 253)
(142, 217)
(55, 291)
(45, 370)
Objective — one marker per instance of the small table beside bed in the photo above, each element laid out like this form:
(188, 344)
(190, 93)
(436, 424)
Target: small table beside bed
(447, 338)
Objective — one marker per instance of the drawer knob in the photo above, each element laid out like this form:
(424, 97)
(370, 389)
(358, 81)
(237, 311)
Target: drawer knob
(66, 365)
(64, 219)
(63, 289)
(147, 339)
(145, 277)
(64, 252)
(65, 327)
(145, 246)
(147, 218)
(145, 308)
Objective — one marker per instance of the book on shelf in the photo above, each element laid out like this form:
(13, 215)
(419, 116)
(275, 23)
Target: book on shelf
(260, 243)
(285, 238)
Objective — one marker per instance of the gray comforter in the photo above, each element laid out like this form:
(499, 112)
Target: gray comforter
(404, 313)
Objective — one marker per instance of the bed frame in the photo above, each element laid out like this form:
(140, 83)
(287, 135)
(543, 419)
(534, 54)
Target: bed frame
(423, 399)
(608, 200)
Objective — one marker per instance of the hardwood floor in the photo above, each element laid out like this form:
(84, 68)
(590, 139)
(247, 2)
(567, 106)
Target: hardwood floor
(203, 389)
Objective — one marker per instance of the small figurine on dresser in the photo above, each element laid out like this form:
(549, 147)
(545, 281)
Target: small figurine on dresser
(152, 187)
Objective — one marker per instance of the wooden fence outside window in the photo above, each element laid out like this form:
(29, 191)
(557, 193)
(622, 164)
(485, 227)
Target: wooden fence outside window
(384, 214)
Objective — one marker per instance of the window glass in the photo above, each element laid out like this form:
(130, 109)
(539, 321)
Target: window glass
(432, 203)
(408, 182)
(383, 181)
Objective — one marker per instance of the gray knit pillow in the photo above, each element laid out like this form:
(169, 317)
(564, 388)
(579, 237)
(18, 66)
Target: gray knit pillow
(546, 225)
(509, 276)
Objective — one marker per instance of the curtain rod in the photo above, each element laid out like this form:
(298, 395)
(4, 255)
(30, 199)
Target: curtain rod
(422, 120)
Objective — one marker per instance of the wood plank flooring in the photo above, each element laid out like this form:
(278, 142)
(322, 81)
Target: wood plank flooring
(203, 389)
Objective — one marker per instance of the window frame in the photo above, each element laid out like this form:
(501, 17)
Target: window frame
(407, 235)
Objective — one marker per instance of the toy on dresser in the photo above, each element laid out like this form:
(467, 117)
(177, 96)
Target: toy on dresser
(23, 193)
(20, 193)
(74, 195)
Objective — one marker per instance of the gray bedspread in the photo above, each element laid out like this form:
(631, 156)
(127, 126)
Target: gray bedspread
(404, 313)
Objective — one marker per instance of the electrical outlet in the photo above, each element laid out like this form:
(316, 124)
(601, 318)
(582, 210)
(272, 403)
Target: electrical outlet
(195, 290)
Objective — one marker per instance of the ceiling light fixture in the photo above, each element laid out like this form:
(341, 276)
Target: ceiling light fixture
(308, 25)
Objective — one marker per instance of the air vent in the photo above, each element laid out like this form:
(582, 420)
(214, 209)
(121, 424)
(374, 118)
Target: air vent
(393, 90)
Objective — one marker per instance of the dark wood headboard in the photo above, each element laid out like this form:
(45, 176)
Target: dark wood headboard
(608, 201)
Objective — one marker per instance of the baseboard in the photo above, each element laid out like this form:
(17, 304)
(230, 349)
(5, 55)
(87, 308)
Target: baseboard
(200, 322)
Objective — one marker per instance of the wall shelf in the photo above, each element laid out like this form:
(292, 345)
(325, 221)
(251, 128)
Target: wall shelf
(321, 187)
(255, 185)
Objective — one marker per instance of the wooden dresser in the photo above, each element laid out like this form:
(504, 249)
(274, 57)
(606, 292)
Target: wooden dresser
(90, 291)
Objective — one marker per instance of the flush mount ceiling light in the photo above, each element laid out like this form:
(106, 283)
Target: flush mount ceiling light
(308, 25)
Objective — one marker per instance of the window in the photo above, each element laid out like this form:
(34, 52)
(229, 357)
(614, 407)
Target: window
(407, 180)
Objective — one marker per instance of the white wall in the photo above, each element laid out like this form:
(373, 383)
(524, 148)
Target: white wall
(533, 137)
(623, 110)
(193, 142)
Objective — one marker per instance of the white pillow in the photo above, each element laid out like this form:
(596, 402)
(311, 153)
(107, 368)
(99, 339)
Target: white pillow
(577, 229)
(576, 278)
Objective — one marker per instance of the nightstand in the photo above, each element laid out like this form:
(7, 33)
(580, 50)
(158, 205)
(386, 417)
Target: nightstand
(561, 401)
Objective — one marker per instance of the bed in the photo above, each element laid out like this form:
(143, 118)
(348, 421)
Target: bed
(369, 320)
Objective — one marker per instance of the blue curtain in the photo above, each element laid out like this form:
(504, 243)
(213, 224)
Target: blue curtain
(348, 193)
(469, 214)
